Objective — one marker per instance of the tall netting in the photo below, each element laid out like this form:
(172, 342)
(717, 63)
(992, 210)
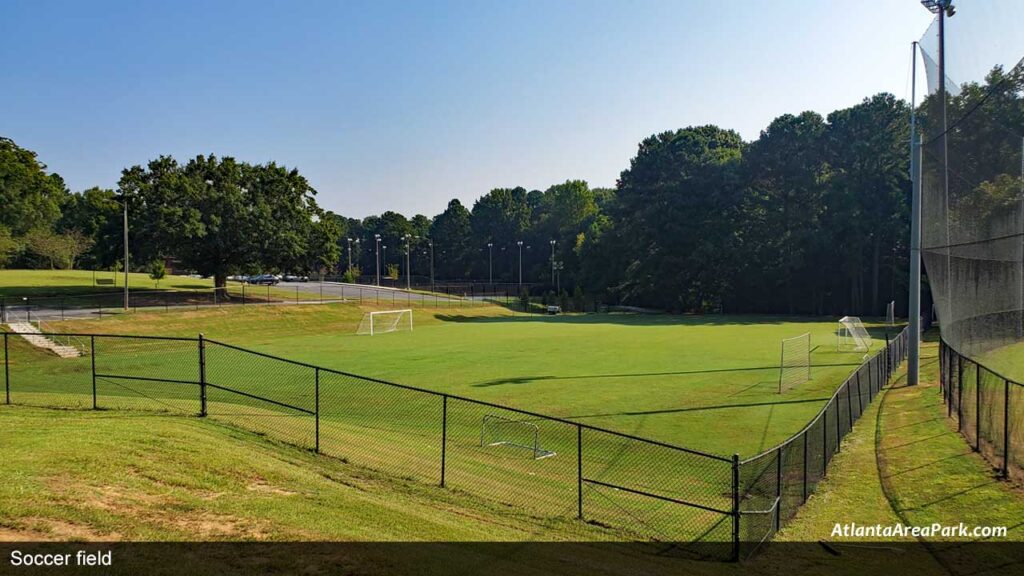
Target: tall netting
(973, 176)
(972, 133)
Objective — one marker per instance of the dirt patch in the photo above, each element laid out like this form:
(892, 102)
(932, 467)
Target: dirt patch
(209, 525)
(264, 487)
(15, 535)
(63, 530)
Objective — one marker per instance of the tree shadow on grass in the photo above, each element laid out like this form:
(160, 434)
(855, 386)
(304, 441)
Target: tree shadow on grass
(696, 408)
(636, 319)
(530, 379)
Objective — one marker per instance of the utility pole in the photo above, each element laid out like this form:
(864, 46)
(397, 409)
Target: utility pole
(349, 253)
(430, 242)
(408, 266)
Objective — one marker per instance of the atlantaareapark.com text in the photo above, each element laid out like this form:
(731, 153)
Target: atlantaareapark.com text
(854, 530)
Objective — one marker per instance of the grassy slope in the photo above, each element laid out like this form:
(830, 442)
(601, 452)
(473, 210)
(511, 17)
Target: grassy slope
(905, 463)
(70, 282)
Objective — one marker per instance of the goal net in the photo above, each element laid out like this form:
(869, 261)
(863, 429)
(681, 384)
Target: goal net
(852, 335)
(890, 313)
(499, 431)
(795, 367)
(385, 321)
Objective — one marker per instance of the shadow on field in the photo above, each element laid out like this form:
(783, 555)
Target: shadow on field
(698, 408)
(529, 379)
(634, 319)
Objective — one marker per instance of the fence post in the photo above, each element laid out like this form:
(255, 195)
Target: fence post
(7, 371)
(839, 431)
(62, 309)
(735, 507)
(778, 489)
(824, 441)
(860, 401)
(805, 465)
(444, 433)
(1006, 428)
(202, 376)
(92, 355)
(849, 400)
(579, 471)
(316, 413)
(977, 407)
(959, 393)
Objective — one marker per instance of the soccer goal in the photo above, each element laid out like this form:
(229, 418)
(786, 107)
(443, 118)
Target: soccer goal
(795, 367)
(890, 313)
(500, 431)
(385, 321)
(851, 335)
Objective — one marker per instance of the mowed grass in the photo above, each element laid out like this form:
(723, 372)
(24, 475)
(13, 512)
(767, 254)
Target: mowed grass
(40, 283)
(672, 378)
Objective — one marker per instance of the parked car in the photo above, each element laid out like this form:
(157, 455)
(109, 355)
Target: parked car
(554, 309)
(264, 279)
(295, 278)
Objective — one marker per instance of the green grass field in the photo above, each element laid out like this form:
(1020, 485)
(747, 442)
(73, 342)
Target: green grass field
(709, 383)
(73, 282)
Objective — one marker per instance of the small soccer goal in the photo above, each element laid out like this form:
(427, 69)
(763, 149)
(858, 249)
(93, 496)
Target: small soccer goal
(851, 335)
(795, 366)
(890, 313)
(500, 431)
(385, 321)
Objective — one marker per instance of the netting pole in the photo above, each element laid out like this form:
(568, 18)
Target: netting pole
(914, 312)
(860, 400)
(444, 434)
(735, 507)
(824, 441)
(92, 354)
(202, 376)
(1006, 428)
(959, 392)
(579, 471)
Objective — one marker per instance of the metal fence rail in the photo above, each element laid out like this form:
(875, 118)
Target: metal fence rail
(988, 408)
(624, 486)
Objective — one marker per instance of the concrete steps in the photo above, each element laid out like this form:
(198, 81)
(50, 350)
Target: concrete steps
(35, 338)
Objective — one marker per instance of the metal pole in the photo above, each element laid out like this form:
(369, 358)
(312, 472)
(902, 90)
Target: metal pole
(202, 376)
(977, 407)
(316, 414)
(579, 471)
(444, 434)
(92, 354)
(778, 489)
(7, 371)
(490, 263)
(805, 466)
(125, 204)
(914, 307)
(735, 507)
(1006, 428)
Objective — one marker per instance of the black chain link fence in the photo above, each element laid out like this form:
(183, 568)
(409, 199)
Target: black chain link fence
(601, 483)
(988, 408)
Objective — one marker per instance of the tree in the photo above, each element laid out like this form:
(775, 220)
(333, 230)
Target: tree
(30, 197)
(392, 272)
(219, 216)
(157, 271)
(47, 246)
(9, 246)
(452, 233)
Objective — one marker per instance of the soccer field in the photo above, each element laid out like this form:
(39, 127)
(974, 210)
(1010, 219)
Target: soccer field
(670, 378)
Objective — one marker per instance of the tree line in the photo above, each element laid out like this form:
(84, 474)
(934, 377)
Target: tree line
(811, 217)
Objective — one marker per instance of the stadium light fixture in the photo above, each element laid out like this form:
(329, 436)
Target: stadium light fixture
(520, 244)
(377, 238)
(490, 263)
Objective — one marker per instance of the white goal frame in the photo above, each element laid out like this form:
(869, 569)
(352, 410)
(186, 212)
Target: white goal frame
(851, 334)
(795, 363)
(530, 432)
(366, 325)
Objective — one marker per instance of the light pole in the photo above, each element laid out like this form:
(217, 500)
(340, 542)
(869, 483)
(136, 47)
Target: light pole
(430, 242)
(124, 205)
(520, 244)
(408, 266)
(385, 247)
(349, 253)
(490, 263)
(552, 262)
(377, 257)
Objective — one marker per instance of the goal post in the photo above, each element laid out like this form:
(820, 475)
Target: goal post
(795, 365)
(890, 313)
(384, 321)
(851, 335)
(501, 431)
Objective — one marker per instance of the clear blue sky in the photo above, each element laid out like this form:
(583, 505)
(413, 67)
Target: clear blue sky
(388, 105)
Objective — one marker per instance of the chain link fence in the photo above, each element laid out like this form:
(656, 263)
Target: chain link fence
(602, 483)
(988, 408)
